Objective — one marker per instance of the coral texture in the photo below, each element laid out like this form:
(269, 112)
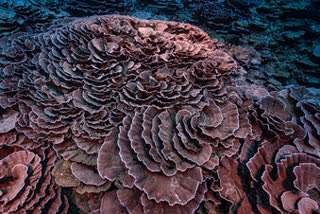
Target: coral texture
(26, 182)
(143, 116)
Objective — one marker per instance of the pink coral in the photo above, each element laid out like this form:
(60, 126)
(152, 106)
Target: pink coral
(26, 183)
(150, 110)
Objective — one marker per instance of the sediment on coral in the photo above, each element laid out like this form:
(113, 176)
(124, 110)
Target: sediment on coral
(111, 114)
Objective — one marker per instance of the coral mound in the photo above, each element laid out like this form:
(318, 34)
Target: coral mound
(117, 114)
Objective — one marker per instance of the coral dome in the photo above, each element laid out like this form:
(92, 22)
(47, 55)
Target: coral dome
(114, 114)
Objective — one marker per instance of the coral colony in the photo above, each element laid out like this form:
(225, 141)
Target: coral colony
(115, 114)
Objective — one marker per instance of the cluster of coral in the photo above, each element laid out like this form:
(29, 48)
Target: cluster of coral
(283, 34)
(114, 114)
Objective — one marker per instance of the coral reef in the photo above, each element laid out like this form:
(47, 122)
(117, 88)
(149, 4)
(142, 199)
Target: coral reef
(81, 8)
(284, 33)
(288, 40)
(220, 15)
(26, 16)
(115, 114)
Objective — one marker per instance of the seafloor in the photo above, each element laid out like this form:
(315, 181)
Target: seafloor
(159, 106)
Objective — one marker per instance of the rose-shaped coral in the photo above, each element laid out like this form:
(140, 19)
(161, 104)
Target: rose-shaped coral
(308, 107)
(26, 183)
(155, 110)
(85, 75)
(138, 87)
(170, 147)
(284, 188)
